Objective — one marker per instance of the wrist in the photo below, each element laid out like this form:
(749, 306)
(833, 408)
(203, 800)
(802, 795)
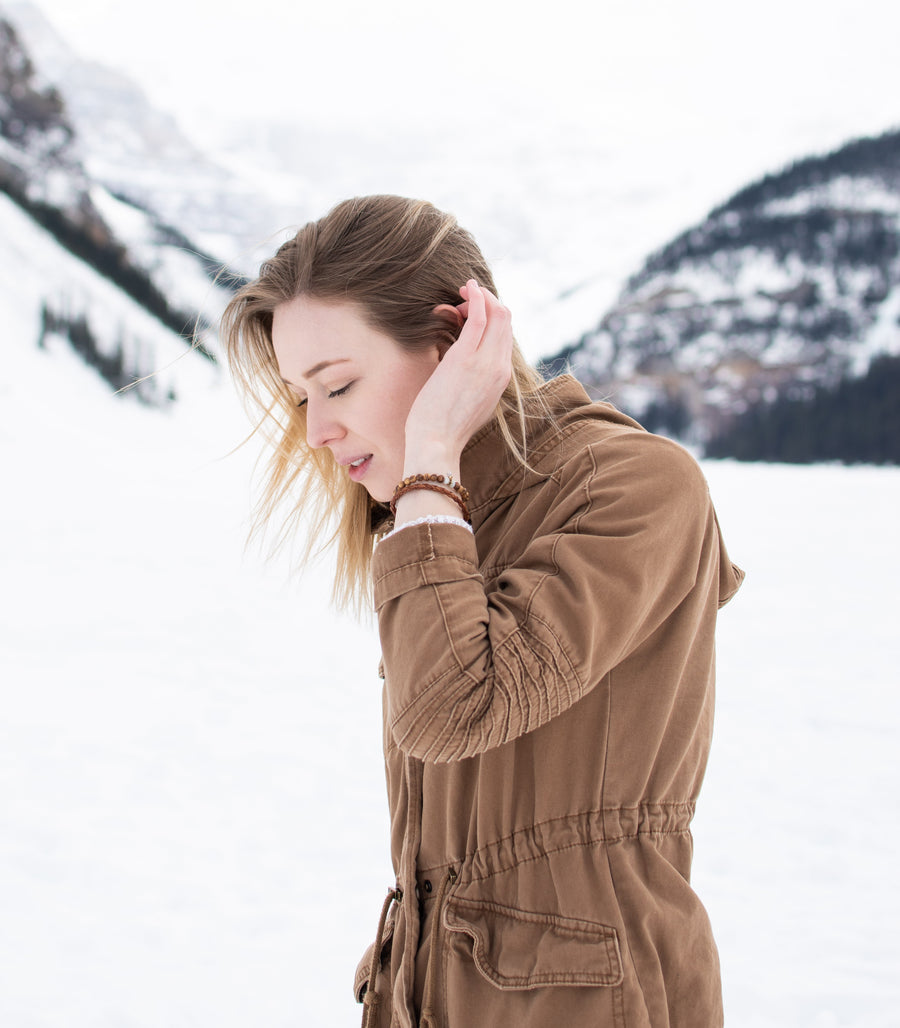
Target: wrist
(428, 459)
(442, 484)
(423, 502)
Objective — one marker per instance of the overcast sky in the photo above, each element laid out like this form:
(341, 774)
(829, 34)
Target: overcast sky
(825, 69)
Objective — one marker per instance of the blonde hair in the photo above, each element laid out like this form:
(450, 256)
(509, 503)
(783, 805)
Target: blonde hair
(395, 260)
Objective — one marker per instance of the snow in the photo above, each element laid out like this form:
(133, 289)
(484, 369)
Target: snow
(171, 827)
(175, 270)
(34, 268)
(194, 826)
(841, 193)
(795, 837)
(884, 335)
(572, 203)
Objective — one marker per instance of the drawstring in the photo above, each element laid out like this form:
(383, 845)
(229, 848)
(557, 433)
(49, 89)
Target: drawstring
(427, 1020)
(370, 1000)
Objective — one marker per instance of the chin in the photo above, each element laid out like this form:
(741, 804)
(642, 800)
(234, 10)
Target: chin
(380, 494)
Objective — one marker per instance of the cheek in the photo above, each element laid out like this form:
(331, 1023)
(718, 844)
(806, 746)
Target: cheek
(404, 397)
(396, 390)
(417, 375)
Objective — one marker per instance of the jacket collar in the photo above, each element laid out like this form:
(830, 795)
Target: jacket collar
(492, 473)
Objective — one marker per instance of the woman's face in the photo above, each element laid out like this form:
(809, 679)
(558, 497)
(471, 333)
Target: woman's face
(357, 383)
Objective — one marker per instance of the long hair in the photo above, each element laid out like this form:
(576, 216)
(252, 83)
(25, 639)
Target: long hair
(395, 260)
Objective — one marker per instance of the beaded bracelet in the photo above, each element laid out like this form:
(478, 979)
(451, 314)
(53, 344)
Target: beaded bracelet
(407, 487)
(447, 480)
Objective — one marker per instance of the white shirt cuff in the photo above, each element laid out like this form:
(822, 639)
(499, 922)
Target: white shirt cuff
(429, 519)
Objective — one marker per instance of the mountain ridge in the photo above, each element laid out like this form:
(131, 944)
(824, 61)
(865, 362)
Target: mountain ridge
(782, 295)
(43, 172)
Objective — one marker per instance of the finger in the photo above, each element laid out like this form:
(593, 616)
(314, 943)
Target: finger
(491, 302)
(476, 315)
(499, 319)
(470, 337)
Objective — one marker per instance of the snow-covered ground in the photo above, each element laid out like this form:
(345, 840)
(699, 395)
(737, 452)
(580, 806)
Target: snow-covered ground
(797, 836)
(193, 828)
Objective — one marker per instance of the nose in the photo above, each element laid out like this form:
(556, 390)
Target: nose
(321, 428)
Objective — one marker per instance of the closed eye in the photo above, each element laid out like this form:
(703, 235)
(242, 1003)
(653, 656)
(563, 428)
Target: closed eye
(301, 403)
(339, 392)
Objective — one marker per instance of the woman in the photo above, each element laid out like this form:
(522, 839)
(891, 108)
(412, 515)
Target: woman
(546, 586)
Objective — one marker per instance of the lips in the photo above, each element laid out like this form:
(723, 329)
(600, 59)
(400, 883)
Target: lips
(357, 466)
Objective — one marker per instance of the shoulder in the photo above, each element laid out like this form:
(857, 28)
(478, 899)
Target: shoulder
(603, 451)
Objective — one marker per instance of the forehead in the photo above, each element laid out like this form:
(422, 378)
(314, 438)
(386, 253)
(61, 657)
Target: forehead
(304, 320)
(306, 331)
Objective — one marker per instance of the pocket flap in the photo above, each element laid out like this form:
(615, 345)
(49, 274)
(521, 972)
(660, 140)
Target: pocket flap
(364, 967)
(520, 949)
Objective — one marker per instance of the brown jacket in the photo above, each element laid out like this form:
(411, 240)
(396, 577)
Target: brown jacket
(548, 708)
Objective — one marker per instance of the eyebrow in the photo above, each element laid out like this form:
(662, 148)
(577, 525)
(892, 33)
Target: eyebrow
(321, 366)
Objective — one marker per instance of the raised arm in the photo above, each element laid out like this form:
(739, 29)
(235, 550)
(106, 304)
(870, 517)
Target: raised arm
(471, 664)
(459, 397)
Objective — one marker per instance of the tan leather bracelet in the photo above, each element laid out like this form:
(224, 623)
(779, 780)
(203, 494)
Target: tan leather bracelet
(448, 480)
(408, 487)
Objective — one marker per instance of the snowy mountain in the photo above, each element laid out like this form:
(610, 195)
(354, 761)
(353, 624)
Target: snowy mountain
(83, 264)
(769, 329)
(775, 317)
(139, 153)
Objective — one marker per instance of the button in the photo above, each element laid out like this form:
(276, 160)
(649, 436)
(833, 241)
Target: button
(426, 885)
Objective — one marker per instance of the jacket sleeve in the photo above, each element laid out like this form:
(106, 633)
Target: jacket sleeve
(470, 665)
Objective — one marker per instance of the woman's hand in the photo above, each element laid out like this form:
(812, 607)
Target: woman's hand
(463, 391)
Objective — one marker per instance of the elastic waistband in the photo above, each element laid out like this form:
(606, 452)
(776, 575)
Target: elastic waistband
(608, 826)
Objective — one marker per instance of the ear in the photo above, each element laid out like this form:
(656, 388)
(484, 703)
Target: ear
(452, 315)
(454, 318)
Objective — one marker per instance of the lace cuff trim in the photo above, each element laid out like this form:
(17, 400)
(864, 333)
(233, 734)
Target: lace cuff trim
(429, 519)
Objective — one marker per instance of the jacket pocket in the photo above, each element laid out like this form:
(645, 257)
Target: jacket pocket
(363, 968)
(520, 949)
